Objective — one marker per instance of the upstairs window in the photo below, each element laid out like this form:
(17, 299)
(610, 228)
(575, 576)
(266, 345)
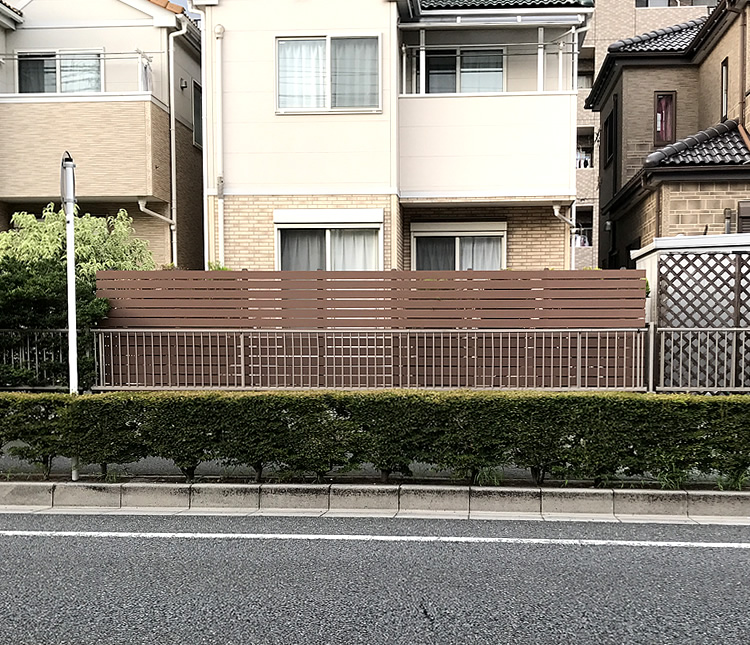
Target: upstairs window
(59, 72)
(664, 118)
(328, 73)
(724, 89)
(197, 115)
(470, 71)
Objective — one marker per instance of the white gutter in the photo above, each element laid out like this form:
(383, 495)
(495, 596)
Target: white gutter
(219, 33)
(173, 137)
(204, 109)
(142, 205)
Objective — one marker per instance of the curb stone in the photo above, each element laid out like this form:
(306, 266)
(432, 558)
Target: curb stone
(388, 500)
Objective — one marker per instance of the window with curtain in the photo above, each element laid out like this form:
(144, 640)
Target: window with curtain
(458, 252)
(664, 118)
(59, 72)
(328, 73)
(332, 249)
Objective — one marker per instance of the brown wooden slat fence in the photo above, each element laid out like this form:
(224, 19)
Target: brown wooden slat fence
(374, 300)
(253, 330)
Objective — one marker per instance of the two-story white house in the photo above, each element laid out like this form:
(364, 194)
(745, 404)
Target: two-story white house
(390, 134)
(117, 83)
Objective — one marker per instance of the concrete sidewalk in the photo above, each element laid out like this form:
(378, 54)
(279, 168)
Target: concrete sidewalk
(375, 500)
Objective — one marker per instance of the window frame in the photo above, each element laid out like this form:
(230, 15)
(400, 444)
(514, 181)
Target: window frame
(328, 226)
(609, 135)
(724, 89)
(672, 137)
(196, 142)
(58, 55)
(328, 77)
(458, 51)
(457, 230)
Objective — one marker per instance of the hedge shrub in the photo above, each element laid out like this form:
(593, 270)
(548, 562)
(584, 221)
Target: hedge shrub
(583, 436)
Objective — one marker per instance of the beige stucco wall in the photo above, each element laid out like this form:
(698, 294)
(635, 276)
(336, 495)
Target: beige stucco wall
(490, 145)
(270, 153)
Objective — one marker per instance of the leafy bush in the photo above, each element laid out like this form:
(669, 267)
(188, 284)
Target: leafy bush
(590, 436)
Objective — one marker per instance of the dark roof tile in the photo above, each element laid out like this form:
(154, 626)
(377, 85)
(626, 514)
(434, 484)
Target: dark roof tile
(11, 7)
(501, 4)
(668, 39)
(722, 144)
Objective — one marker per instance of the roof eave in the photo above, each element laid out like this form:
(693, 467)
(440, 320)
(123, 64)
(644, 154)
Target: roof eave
(10, 16)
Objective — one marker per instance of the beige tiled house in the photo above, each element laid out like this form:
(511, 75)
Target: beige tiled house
(384, 134)
(611, 21)
(116, 83)
(675, 152)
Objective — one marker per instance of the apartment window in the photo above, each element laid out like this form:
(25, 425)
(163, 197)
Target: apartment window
(53, 72)
(328, 73)
(451, 247)
(664, 118)
(585, 80)
(609, 138)
(743, 217)
(329, 249)
(724, 89)
(585, 149)
(197, 114)
(470, 71)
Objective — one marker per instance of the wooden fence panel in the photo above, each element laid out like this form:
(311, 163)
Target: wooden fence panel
(398, 300)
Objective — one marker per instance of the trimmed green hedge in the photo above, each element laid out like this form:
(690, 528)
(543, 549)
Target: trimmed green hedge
(582, 436)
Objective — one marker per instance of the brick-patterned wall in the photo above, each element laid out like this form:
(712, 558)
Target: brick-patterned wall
(536, 239)
(5, 213)
(639, 85)
(249, 233)
(689, 207)
(159, 153)
(189, 200)
(709, 99)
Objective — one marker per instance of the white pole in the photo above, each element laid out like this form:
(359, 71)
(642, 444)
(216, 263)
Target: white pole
(67, 184)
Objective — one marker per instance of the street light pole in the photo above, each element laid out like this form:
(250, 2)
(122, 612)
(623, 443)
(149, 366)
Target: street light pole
(68, 195)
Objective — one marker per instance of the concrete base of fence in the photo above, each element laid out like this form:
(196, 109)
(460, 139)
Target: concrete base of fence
(378, 500)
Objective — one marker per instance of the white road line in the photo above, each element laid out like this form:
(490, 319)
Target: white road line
(375, 538)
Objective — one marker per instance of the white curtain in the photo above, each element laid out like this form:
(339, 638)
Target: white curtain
(354, 249)
(80, 73)
(480, 253)
(302, 71)
(481, 72)
(303, 249)
(435, 253)
(354, 73)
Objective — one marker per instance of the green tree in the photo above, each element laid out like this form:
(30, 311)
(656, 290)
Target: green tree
(33, 281)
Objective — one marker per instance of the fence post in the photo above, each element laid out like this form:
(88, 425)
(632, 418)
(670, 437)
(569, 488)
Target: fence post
(651, 354)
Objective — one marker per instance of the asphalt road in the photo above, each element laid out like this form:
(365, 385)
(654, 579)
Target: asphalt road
(75, 579)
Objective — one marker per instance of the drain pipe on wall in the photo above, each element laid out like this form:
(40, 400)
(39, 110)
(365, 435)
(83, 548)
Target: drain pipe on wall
(173, 137)
(219, 33)
(572, 224)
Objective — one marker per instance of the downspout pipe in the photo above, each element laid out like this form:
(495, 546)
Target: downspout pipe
(173, 137)
(144, 209)
(219, 33)
(571, 224)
